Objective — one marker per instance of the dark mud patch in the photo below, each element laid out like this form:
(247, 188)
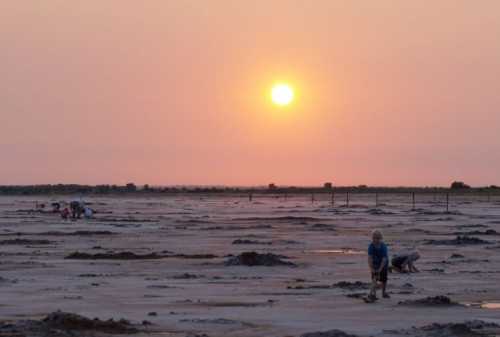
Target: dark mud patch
(322, 227)
(435, 301)
(235, 304)
(25, 242)
(77, 233)
(304, 287)
(235, 228)
(58, 233)
(187, 276)
(115, 256)
(131, 219)
(459, 240)
(344, 285)
(477, 232)
(217, 321)
(377, 211)
(467, 329)
(127, 255)
(329, 333)
(280, 218)
(471, 226)
(250, 242)
(62, 324)
(419, 231)
(352, 286)
(251, 259)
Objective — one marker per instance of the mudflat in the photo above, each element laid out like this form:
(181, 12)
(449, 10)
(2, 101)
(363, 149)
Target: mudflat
(193, 265)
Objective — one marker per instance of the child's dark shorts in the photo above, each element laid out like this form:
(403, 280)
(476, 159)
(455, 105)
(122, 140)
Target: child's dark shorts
(382, 276)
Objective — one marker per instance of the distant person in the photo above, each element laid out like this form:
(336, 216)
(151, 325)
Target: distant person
(88, 213)
(405, 263)
(65, 213)
(56, 207)
(76, 207)
(378, 262)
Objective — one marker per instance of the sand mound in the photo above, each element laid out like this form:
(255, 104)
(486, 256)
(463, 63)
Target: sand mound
(466, 329)
(430, 301)
(68, 321)
(329, 333)
(63, 324)
(251, 259)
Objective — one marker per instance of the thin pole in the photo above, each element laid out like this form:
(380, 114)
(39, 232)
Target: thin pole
(333, 198)
(250, 197)
(447, 202)
(413, 201)
(347, 199)
(376, 199)
(312, 198)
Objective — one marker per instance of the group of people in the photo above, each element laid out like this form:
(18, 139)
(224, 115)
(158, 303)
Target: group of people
(378, 262)
(75, 209)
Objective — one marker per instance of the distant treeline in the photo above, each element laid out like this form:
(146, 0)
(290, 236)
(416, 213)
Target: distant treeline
(131, 188)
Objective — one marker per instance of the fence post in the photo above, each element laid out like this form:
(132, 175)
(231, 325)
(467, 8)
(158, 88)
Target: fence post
(447, 202)
(413, 201)
(376, 199)
(312, 198)
(347, 199)
(250, 197)
(333, 198)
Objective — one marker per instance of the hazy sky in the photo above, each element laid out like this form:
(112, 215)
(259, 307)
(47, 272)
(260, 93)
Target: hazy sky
(177, 92)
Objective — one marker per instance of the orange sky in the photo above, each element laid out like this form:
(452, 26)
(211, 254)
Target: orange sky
(177, 92)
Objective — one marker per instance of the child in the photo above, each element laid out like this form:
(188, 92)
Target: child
(405, 263)
(378, 261)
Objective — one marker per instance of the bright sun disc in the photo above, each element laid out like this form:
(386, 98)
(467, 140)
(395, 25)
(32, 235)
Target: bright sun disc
(282, 94)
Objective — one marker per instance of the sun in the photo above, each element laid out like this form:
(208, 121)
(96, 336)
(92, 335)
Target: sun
(282, 94)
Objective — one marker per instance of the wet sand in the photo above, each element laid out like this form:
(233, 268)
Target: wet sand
(170, 261)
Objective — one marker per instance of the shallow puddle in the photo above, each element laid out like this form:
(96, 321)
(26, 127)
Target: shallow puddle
(490, 305)
(484, 305)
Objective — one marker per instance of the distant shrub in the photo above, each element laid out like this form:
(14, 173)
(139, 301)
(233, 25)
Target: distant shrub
(459, 185)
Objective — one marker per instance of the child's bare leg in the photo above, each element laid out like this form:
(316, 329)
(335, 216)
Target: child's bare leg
(373, 290)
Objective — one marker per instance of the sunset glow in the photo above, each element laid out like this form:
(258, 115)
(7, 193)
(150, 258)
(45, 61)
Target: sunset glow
(282, 94)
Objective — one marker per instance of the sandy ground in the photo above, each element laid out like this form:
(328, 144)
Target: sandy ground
(184, 296)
